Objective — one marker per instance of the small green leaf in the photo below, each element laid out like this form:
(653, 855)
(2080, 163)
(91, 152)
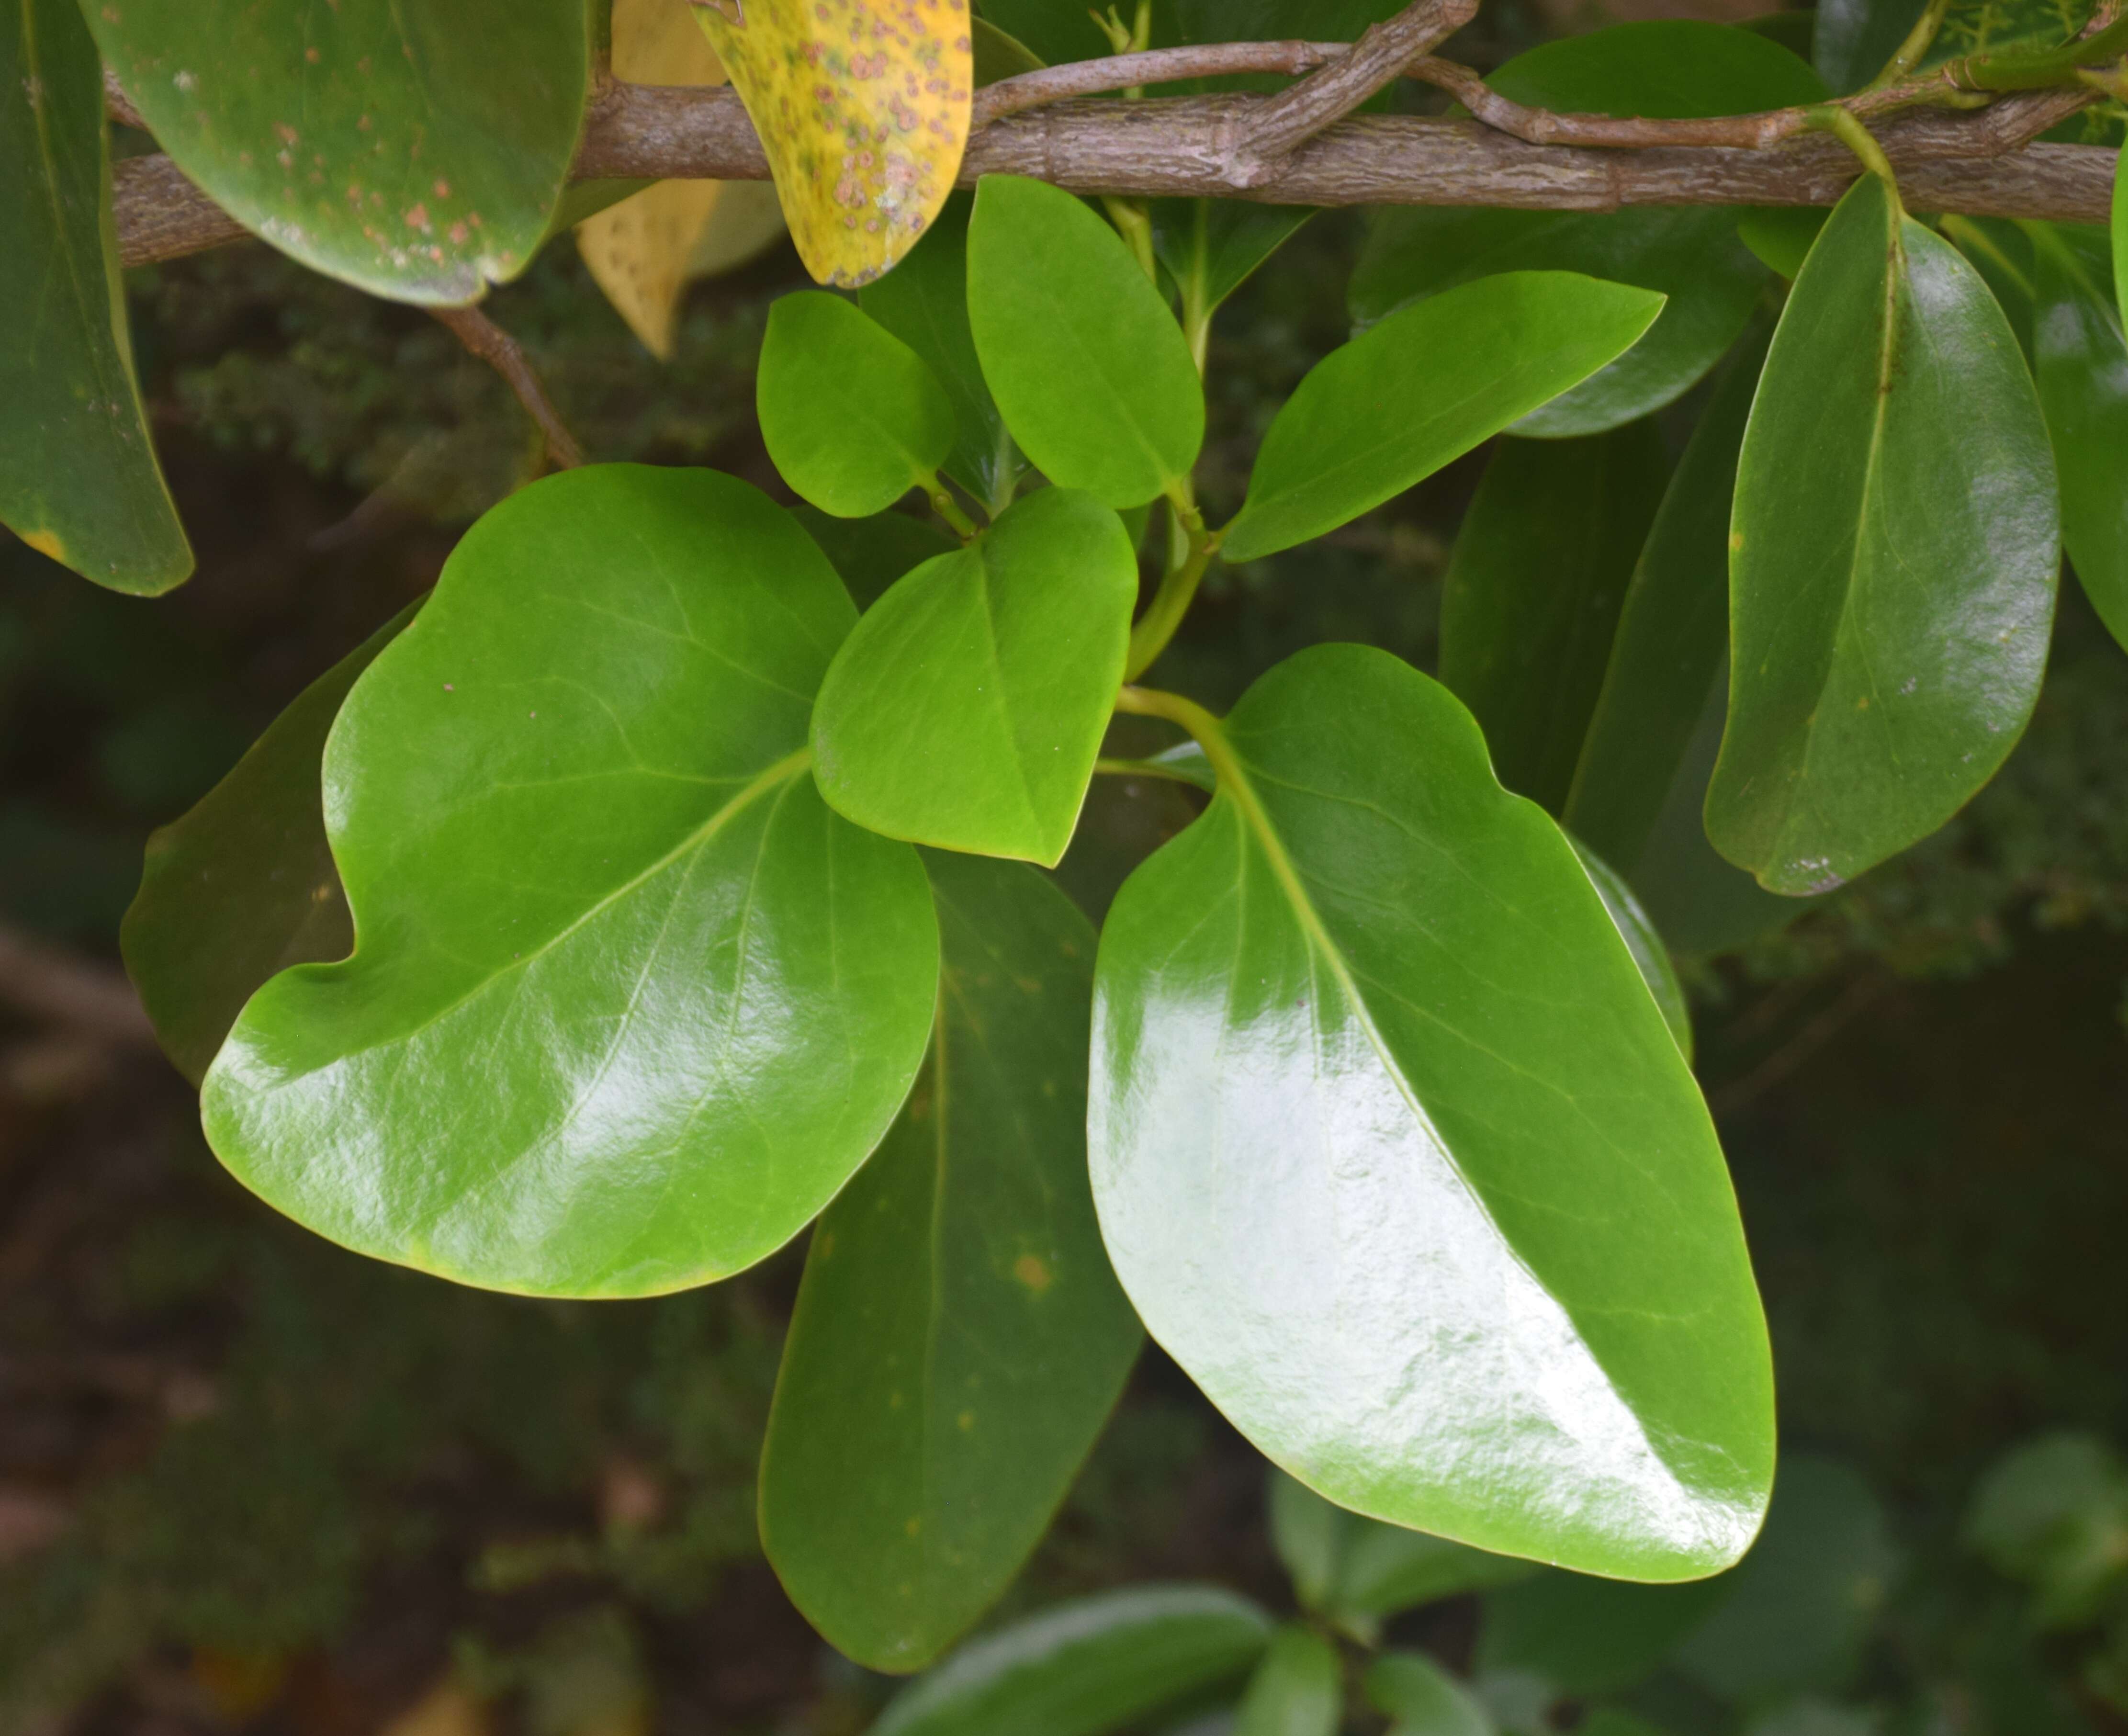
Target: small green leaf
(1892, 557)
(924, 301)
(1422, 1699)
(1387, 1570)
(1297, 1690)
(1211, 247)
(1643, 943)
(1081, 352)
(2081, 364)
(852, 416)
(968, 707)
(870, 554)
(1085, 1668)
(998, 54)
(1532, 597)
(629, 1003)
(1590, 1636)
(959, 1339)
(1395, 1155)
(418, 153)
(244, 886)
(79, 480)
(1307, 1534)
(1423, 387)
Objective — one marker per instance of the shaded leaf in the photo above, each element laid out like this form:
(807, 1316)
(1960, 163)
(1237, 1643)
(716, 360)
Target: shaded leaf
(1297, 1690)
(1309, 1535)
(862, 107)
(1893, 556)
(1643, 943)
(1421, 1698)
(1211, 247)
(2053, 1514)
(417, 154)
(1590, 1636)
(629, 1003)
(1423, 387)
(1387, 1570)
(870, 554)
(244, 886)
(999, 54)
(79, 480)
(1481, 1188)
(1854, 38)
(959, 1339)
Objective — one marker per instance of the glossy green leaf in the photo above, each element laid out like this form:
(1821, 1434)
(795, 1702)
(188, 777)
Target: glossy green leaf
(1084, 360)
(853, 417)
(1083, 1668)
(79, 480)
(959, 1339)
(1643, 943)
(418, 153)
(1590, 1636)
(1893, 556)
(968, 707)
(1423, 387)
(244, 886)
(1387, 1570)
(2002, 253)
(2080, 361)
(1642, 780)
(1397, 1159)
(629, 1004)
(870, 554)
(1297, 1690)
(1211, 247)
(1309, 1535)
(924, 301)
(1421, 1698)
(1532, 596)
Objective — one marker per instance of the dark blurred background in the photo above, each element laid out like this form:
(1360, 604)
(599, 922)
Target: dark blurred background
(250, 1482)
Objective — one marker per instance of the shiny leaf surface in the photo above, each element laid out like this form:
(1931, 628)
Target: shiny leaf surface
(1083, 1668)
(79, 480)
(852, 416)
(629, 1004)
(1421, 1698)
(1297, 1690)
(1892, 555)
(1486, 1276)
(966, 709)
(862, 107)
(1532, 597)
(1643, 943)
(959, 1339)
(244, 886)
(418, 153)
(1084, 358)
(1423, 387)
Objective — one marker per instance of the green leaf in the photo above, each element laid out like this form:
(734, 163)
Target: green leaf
(1297, 1690)
(629, 1004)
(2002, 253)
(959, 1339)
(924, 301)
(1893, 552)
(1422, 1699)
(1083, 1668)
(1086, 363)
(416, 152)
(852, 416)
(1307, 1534)
(1854, 38)
(1642, 781)
(999, 54)
(1590, 1636)
(1423, 387)
(870, 554)
(2080, 360)
(1397, 1159)
(1387, 1570)
(1782, 236)
(79, 480)
(1532, 597)
(968, 707)
(2119, 233)
(1643, 943)
(1211, 247)
(244, 886)
(2053, 1514)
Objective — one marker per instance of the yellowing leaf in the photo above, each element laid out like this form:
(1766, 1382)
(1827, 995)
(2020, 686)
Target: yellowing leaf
(862, 106)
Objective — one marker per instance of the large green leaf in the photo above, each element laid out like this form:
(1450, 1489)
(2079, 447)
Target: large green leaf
(1297, 1690)
(1086, 363)
(1083, 1668)
(79, 480)
(924, 301)
(629, 1004)
(1423, 387)
(1422, 1699)
(968, 708)
(2080, 361)
(959, 1338)
(1642, 940)
(1396, 1156)
(1642, 780)
(1893, 551)
(417, 152)
(1533, 591)
(1664, 68)
(244, 886)
(1590, 1636)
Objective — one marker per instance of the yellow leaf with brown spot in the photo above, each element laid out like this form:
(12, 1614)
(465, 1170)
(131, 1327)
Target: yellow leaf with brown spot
(862, 107)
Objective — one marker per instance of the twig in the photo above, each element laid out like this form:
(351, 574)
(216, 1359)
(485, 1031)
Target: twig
(57, 987)
(1154, 66)
(118, 105)
(507, 356)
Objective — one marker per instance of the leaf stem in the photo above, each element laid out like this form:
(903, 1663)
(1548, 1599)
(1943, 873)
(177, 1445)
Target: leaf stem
(1108, 768)
(947, 507)
(1178, 586)
(1857, 138)
(1134, 223)
(1202, 726)
(1909, 53)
